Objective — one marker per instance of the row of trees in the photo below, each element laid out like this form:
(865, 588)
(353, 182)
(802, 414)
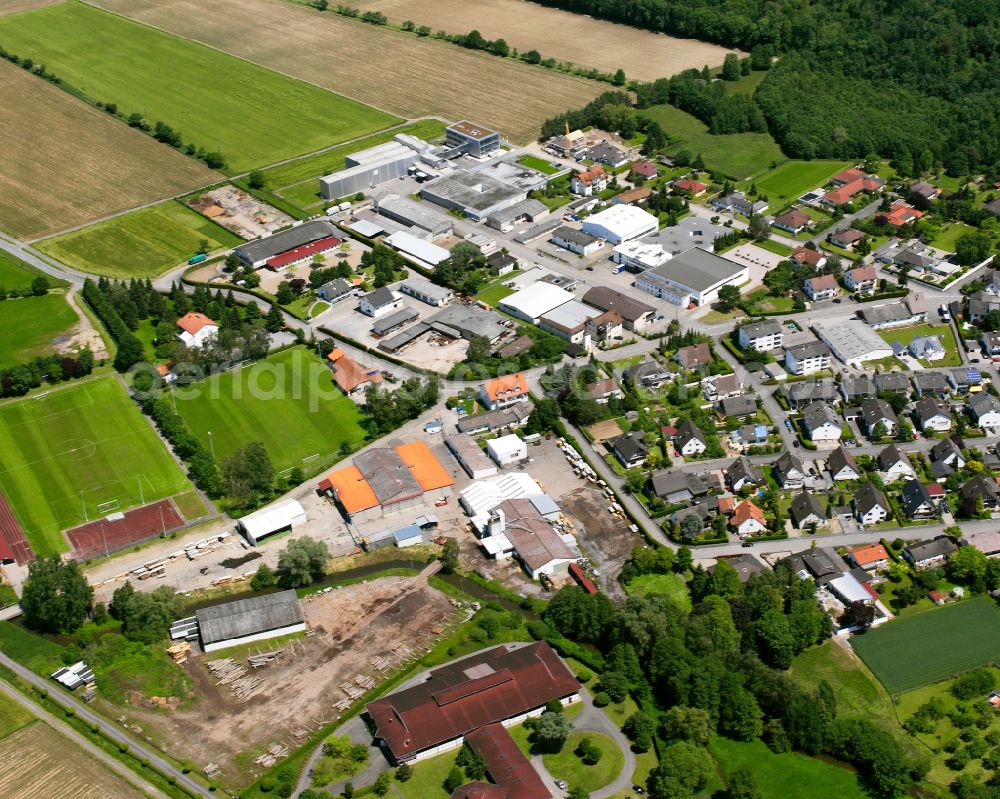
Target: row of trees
(385, 411)
(39, 288)
(19, 380)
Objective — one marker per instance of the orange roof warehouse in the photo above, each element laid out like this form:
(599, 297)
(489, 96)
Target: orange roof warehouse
(387, 480)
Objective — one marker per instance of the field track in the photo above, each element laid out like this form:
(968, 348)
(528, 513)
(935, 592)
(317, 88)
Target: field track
(63, 163)
(393, 71)
(557, 34)
(13, 544)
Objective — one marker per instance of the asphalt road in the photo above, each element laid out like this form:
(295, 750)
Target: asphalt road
(110, 729)
(68, 732)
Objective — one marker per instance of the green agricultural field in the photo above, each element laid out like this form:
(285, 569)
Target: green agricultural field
(905, 335)
(288, 402)
(12, 716)
(298, 183)
(28, 325)
(738, 155)
(141, 243)
(910, 652)
(788, 774)
(792, 179)
(77, 453)
(253, 115)
(16, 274)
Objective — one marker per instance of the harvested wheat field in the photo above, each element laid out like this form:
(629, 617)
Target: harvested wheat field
(63, 163)
(392, 619)
(36, 762)
(393, 71)
(16, 6)
(558, 34)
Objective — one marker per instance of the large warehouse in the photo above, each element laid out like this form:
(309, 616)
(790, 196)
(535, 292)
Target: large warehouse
(368, 168)
(247, 620)
(473, 193)
(308, 238)
(852, 341)
(530, 304)
(620, 223)
(386, 480)
(506, 684)
(692, 278)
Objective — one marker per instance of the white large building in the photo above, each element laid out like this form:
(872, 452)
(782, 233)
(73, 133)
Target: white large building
(852, 341)
(638, 256)
(535, 301)
(270, 520)
(507, 449)
(620, 223)
(693, 277)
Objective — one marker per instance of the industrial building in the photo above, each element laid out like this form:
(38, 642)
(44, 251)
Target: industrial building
(470, 138)
(509, 218)
(500, 686)
(569, 321)
(692, 278)
(369, 168)
(476, 195)
(576, 241)
(470, 456)
(415, 216)
(852, 342)
(691, 231)
(274, 519)
(507, 449)
(319, 235)
(530, 304)
(386, 480)
(427, 292)
(453, 321)
(636, 316)
(620, 223)
(638, 256)
(243, 621)
(518, 528)
(482, 496)
(418, 249)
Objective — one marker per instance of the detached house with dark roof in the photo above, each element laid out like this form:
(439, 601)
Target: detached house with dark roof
(742, 472)
(870, 505)
(629, 448)
(933, 384)
(857, 388)
(931, 414)
(947, 451)
(806, 510)
(789, 471)
(690, 440)
(875, 412)
(915, 501)
(694, 357)
(741, 407)
(821, 424)
(648, 374)
(930, 553)
(894, 464)
(842, 466)
(980, 489)
(985, 409)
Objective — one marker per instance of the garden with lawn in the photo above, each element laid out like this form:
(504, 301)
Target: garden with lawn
(538, 164)
(669, 585)
(905, 335)
(573, 763)
(792, 179)
(28, 326)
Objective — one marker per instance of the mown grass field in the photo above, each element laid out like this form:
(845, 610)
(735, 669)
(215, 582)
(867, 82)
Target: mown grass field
(298, 182)
(789, 774)
(405, 75)
(565, 765)
(288, 402)
(948, 237)
(792, 179)
(141, 243)
(738, 155)
(668, 585)
(253, 115)
(28, 325)
(16, 274)
(65, 163)
(910, 652)
(72, 453)
(12, 716)
(559, 34)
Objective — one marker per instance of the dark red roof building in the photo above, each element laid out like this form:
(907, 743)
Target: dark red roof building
(493, 686)
(513, 774)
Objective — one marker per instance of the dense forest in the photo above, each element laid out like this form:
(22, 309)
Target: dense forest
(854, 78)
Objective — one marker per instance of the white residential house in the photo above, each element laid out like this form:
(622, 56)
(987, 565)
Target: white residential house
(821, 424)
(763, 336)
(380, 302)
(690, 440)
(789, 471)
(592, 181)
(930, 414)
(894, 464)
(870, 505)
(929, 348)
(747, 519)
(807, 358)
(194, 329)
(821, 287)
(986, 410)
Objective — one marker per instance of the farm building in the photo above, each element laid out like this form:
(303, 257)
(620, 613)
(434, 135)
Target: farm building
(274, 519)
(503, 685)
(692, 278)
(246, 620)
(386, 480)
(273, 251)
(470, 456)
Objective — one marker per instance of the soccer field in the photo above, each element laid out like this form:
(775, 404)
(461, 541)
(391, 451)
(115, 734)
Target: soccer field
(141, 243)
(920, 649)
(288, 402)
(78, 453)
(253, 115)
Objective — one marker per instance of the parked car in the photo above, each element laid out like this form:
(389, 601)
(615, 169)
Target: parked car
(747, 544)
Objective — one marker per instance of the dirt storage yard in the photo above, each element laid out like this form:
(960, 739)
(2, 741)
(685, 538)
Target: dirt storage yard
(603, 537)
(396, 618)
(36, 762)
(393, 71)
(63, 164)
(239, 212)
(558, 34)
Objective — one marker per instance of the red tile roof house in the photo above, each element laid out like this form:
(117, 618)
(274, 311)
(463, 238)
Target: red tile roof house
(803, 256)
(477, 697)
(850, 183)
(694, 187)
(591, 181)
(900, 213)
(645, 168)
(795, 221)
(863, 278)
(194, 328)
